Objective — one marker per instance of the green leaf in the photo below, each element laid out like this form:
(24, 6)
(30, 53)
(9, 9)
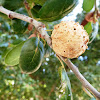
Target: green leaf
(19, 26)
(5, 52)
(17, 41)
(1, 2)
(31, 55)
(88, 27)
(12, 57)
(3, 16)
(47, 50)
(54, 9)
(38, 2)
(88, 5)
(94, 32)
(12, 4)
(65, 92)
(35, 10)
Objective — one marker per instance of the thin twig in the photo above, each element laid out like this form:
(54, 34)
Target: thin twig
(87, 92)
(84, 82)
(28, 8)
(95, 6)
(40, 27)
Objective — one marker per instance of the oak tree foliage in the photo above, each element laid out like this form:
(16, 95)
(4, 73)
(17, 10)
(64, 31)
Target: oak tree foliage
(29, 68)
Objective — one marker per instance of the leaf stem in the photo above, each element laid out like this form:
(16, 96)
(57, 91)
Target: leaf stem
(28, 8)
(60, 61)
(95, 6)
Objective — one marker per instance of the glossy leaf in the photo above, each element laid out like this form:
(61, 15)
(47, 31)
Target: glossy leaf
(65, 92)
(19, 26)
(17, 41)
(54, 9)
(5, 52)
(94, 32)
(12, 4)
(88, 27)
(31, 55)
(12, 57)
(35, 10)
(88, 5)
(39, 2)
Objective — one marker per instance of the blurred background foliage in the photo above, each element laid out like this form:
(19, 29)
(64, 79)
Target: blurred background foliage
(43, 84)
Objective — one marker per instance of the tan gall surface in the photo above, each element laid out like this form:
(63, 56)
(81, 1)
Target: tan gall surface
(69, 39)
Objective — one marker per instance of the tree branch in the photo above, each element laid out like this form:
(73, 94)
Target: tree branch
(40, 27)
(84, 82)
